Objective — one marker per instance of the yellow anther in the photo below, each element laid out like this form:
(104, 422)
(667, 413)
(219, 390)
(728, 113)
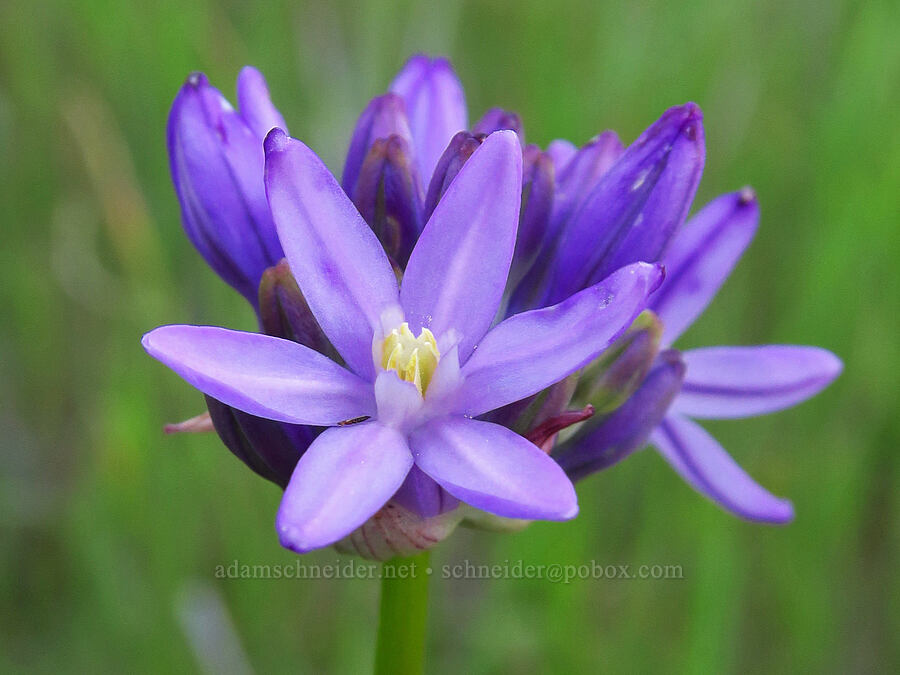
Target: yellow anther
(414, 358)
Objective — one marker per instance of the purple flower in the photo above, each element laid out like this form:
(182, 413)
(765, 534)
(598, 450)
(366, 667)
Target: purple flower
(709, 383)
(422, 360)
(216, 158)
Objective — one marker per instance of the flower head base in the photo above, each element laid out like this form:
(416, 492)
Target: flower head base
(414, 358)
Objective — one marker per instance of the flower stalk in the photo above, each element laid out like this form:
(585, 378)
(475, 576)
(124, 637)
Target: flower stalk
(402, 616)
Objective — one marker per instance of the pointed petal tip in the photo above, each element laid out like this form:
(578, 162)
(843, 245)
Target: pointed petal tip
(687, 119)
(150, 340)
(653, 274)
(832, 366)
(782, 515)
(276, 141)
(746, 196)
(692, 111)
(249, 72)
(196, 80)
(294, 538)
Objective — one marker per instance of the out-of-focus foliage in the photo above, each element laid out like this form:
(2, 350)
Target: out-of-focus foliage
(110, 532)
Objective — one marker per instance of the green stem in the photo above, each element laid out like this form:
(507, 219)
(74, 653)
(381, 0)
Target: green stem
(402, 619)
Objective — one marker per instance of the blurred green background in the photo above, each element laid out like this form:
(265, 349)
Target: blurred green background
(110, 532)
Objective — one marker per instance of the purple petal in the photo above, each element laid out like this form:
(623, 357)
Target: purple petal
(703, 463)
(261, 375)
(496, 119)
(384, 116)
(531, 351)
(347, 474)
(458, 269)
(420, 494)
(337, 260)
(216, 162)
(701, 257)
(611, 439)
(561, 151)
(493, 469)
(255, 105)
(728, 382)
(635, 207)
(435, 104)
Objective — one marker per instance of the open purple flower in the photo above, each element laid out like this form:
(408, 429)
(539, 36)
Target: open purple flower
(707, 383)
(421, 360)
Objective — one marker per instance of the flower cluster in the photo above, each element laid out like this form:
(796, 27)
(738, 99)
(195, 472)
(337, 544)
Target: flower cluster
(464, 324)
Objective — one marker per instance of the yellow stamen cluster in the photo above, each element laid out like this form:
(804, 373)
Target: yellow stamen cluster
(414, 358)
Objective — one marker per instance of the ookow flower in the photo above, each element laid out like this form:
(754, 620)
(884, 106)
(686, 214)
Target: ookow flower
(421, 360)
(706, 383)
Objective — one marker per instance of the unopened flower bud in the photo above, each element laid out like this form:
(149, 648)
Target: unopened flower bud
(611, 379)
(389, 197)
(496, 119)
(284, 313)
(216, 159)
(461, 147)
(606, 440)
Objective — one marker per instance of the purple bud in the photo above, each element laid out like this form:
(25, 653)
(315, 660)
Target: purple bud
(534, 217)
(389, 197)
(497, 119)
(435, 104)
(610, 380)
(384, 116)
(582, 173)
(270, 448)
(561, 151)
(606, 440)
(283, 311)
(461, 147)
(635, 207)
(576, 176)
(216, 159)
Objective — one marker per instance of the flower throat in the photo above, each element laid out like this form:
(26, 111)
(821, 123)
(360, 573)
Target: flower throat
(414, 358)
